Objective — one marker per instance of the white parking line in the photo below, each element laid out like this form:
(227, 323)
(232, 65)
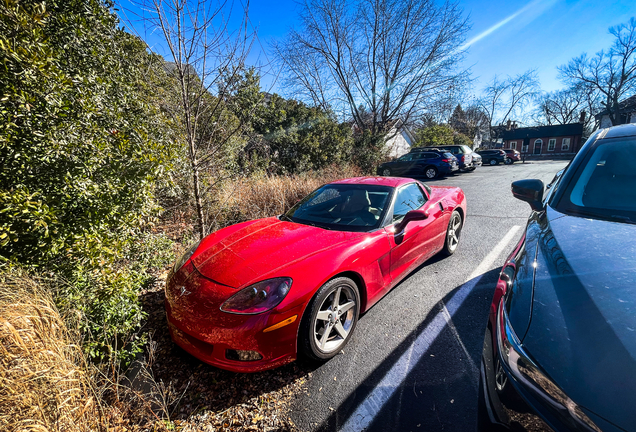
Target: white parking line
(371, 406)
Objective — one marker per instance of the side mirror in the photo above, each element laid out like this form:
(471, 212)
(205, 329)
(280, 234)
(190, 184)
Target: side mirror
(530, 191)
(412, 215)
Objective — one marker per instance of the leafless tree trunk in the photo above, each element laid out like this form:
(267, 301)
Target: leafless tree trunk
(206, 59)
(375, 60)
(504, 97)
(612, 72)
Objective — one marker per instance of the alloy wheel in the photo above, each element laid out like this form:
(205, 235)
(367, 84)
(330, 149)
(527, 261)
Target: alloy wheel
(454, 231)
(500, 377)
(386, 172)
(493, 162)
(431, 173)
(334, 319)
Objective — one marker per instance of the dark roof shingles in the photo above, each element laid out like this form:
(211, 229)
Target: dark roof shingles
(544, 131)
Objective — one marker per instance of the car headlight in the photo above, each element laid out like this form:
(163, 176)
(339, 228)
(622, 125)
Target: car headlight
(258, 298)
(524, 371)
(185, 257)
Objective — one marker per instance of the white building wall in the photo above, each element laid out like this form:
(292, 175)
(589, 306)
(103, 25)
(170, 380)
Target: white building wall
(400, 144)
(606, 122)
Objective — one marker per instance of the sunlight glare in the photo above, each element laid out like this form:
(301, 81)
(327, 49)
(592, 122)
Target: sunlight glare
(537, 6)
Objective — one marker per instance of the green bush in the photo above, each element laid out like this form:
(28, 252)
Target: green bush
(291, 137)
(83, 146)
(369, 151)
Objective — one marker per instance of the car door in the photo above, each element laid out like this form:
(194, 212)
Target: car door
(416, 242)
(402, 165)
(418, 162)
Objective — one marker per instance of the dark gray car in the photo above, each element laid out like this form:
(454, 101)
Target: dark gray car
(493, 157)
(560, 346)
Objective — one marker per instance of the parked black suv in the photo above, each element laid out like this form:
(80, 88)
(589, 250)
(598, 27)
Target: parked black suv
(429, 163)
(493, 157)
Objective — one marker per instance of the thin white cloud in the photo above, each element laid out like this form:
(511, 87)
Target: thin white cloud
(536, 6)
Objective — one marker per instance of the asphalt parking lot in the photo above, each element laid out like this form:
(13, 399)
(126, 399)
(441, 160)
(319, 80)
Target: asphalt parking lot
(412, 363)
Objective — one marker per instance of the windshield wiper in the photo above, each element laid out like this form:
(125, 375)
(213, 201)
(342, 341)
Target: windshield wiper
(610, 218)
(626, 219)
(285, 218)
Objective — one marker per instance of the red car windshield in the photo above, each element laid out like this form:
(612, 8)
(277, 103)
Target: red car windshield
(343, 207)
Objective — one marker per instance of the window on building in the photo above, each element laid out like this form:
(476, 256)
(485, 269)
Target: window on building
(551, 144)
(513, 145)
(565, 144)
(537, 146)
(524, 148)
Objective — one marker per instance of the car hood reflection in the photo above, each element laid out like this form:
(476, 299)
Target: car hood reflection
(583, 327)
(256, 249)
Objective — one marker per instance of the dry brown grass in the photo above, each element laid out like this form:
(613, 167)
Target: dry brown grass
(44, 383)
(261, 196)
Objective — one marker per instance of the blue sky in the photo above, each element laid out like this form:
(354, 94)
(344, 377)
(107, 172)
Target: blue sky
(508, 37)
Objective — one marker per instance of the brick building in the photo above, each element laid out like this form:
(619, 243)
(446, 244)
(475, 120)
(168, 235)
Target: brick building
(545, 140)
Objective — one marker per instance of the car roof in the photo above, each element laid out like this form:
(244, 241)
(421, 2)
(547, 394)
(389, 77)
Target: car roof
(619, 131)
(378, 181)
(423, 149)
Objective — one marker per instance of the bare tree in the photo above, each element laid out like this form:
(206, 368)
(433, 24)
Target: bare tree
(503, 98)
(567, 106)
(389, 58)
(207, 60)
(470, 121)
(612, 72)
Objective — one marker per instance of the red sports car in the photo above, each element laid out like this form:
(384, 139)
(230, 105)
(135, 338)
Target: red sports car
(254, 295)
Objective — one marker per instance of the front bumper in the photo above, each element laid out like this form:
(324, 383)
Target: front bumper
(215, 354)
(503, 406)
(198, 326)
(517, 394)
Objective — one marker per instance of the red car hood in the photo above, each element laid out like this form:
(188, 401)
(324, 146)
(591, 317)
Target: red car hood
(236, 255)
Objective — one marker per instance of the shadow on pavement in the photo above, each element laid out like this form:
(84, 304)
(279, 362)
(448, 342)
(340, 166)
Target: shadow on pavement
(440, 390)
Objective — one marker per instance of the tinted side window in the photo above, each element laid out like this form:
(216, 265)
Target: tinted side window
(408, 198)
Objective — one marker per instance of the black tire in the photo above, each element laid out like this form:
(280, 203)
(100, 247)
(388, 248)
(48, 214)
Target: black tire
(430, 172)
(386, 172)
(509, 161)
(453, 234)
(493, 162)
(310, 326)
(483, 419)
